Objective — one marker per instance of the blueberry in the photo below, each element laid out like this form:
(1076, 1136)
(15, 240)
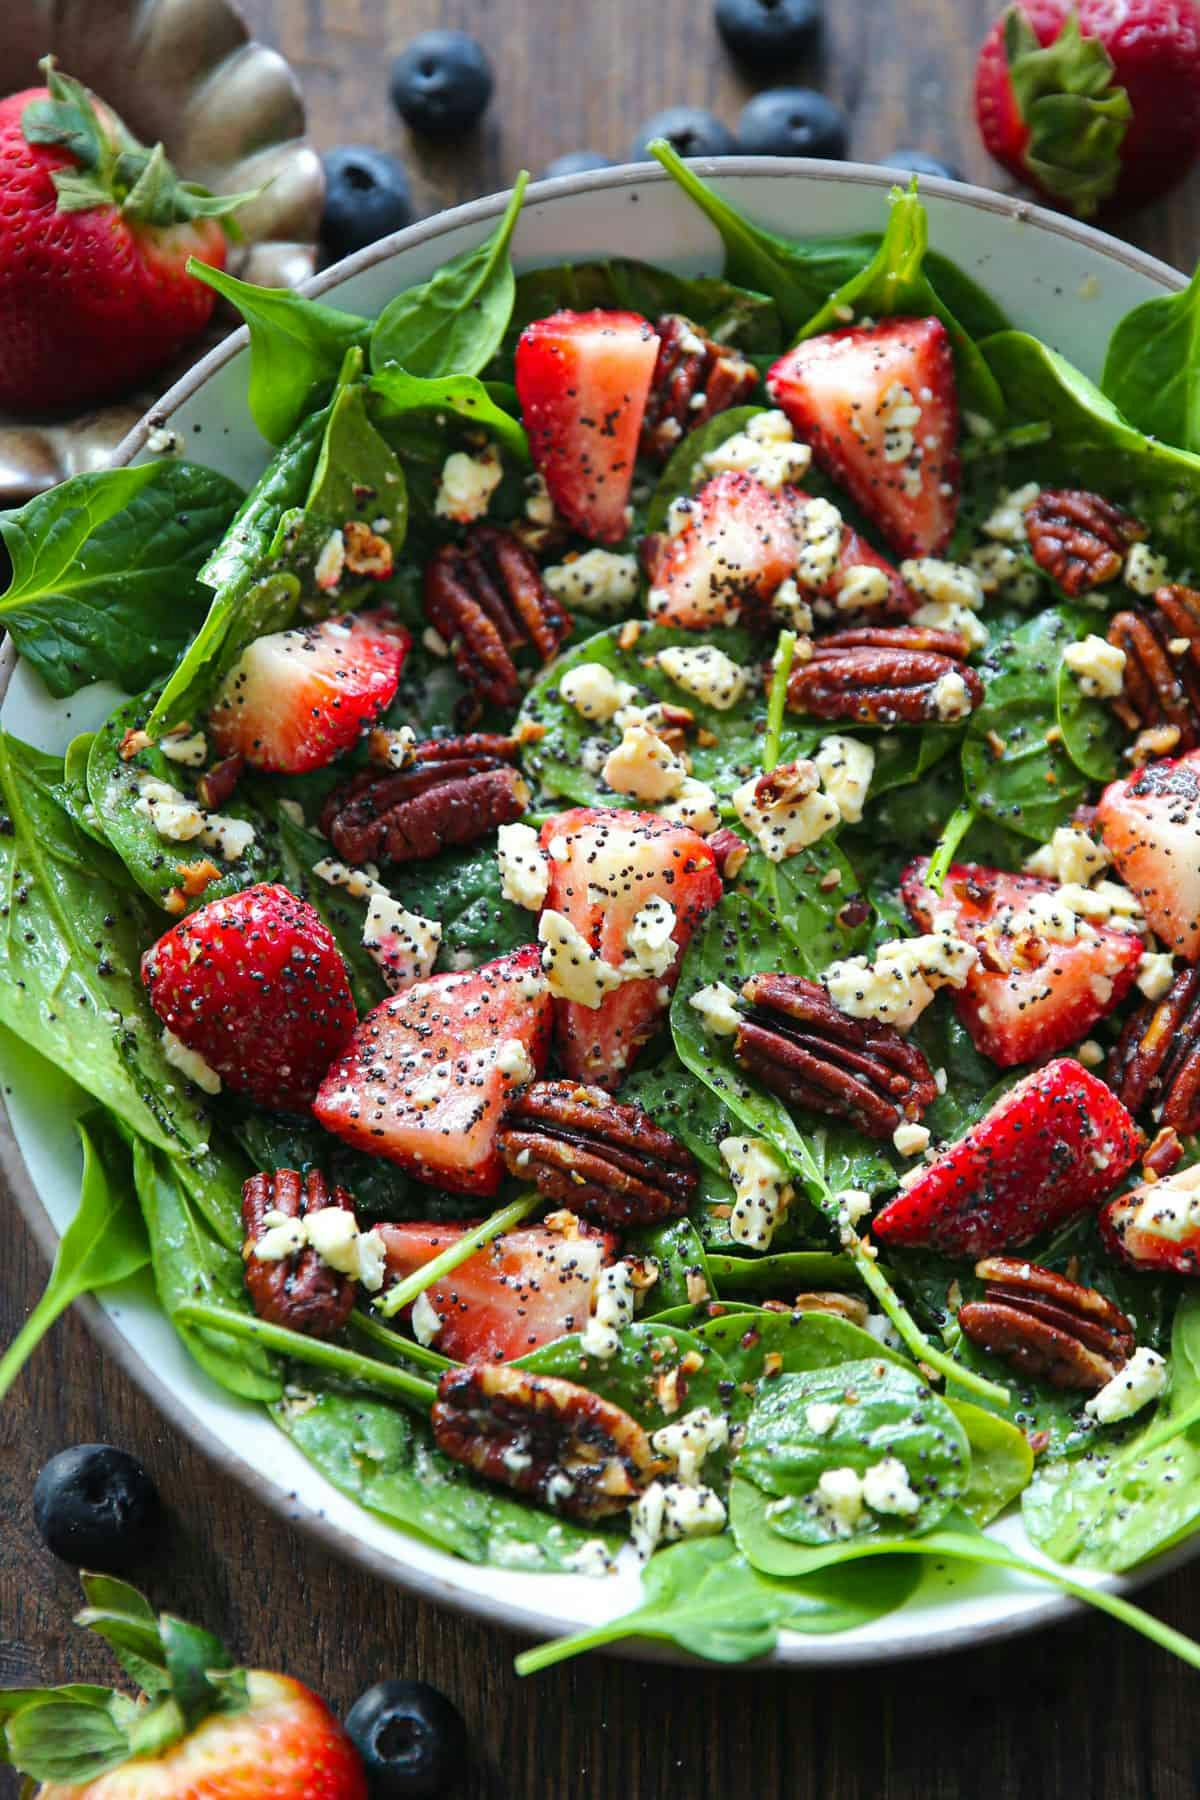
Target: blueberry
(766, 33)
(577, 162)
(689, 130)
(792, 121)
(96, 1507)
(366, 196)
(442, 83)
(920, 162)
(412, 1741)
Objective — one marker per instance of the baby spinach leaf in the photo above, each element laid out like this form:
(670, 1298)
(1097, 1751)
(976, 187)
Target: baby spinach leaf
(453, 323)
(1152, 367)
(808, 895)
(104, 571)
(462, 889)
(395, 392)
(1091, 732)
(1001, 1461)
(677, 1250)
(632, 1378)
(802, 1341)
(782, 1273)
(725, 312)
(678, 1100)
(296, 349)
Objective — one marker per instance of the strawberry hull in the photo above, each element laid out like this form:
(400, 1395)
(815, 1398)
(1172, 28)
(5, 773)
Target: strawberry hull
(1055, 1145)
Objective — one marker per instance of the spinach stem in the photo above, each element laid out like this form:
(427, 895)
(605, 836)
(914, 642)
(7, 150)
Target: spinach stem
(405, 1292)
(49, 1308)
(350, 1363)
(778, 699)
(368, 1327)
(542, 1656)
(953, 833)
(910, 1332)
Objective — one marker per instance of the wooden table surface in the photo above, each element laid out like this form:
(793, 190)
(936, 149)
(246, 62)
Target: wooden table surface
(1086, 1709)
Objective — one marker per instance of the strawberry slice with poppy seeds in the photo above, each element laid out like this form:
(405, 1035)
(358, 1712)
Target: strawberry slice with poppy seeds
(583, 379)
(254, 986)
(525, 1288)
(1045, 975)
(295, 699)
(1157, 1225)
(736, 547)
(426, 1077)
(626, 892)
(878, 405)
(1053, 1146)
(1150, 824)
(844, 593)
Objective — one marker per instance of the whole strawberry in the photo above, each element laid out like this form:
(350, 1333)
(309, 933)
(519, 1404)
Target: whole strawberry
(201, 1730)
(1096, 105)
(95, 233)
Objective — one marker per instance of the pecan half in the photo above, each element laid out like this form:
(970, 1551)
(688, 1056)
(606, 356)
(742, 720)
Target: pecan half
(299, 1291)
(599, 1156)
(694, 379)
(801, 1046)
(451, 791)
(217, 784)
(547, 1438)
(887, 675)
(486, 597)
(1155, 1066)
(1078, 538)
(1162, 666)
(1047, 1326)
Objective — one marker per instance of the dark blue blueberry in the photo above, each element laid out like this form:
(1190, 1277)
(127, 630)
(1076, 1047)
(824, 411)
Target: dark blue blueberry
(442, 83)
(96, 1507)
(792, 121)
(577, 162)
(689, 130)
(366, 196)
(765, 33)
(412, 1741)
(920, 162)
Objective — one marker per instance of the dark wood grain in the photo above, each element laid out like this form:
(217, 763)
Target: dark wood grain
(1086, 1709)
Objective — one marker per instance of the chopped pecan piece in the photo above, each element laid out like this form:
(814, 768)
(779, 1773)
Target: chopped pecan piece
(840, 1306)
(887, 675)
(299, 1291)
(1047, 1326)
(486, 598)
(1162, 666)
(694, 379)
(547, 1438)
(366, 552)
(451, 791)
(216, 786)
(801, 1046)
(730, 851)
(1156, 1064)
(599, 1156)
(1078, 538)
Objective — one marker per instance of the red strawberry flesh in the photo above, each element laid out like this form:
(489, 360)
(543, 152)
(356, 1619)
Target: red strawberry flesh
(1150, 824)
(1157, 1225)
(738, 546)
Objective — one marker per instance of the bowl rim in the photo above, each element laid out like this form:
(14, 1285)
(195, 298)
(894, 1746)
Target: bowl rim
(1039, 1610)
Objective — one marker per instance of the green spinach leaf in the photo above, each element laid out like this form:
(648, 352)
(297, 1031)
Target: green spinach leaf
(681, 1259)
(633, 1378)
(1152, 368)
(396, 393)
(1001, 1461)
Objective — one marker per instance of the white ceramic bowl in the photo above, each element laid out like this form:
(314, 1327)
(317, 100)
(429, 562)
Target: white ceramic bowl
(1065, 282)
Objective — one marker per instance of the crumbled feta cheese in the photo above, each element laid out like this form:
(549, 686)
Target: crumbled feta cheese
(838, 1501)
(1098, 666)
(524, 871)
(845, 765)
(899, 414)
(695, 805)
(951, 697)
(357, 883)
(539, 508)
(1105, 903)
(292, 809)
(717, 1006)
(766, 449)
(332, 1233)
(785, 810)
(190, 1063)
(886, 1489)
(1046, 915)
(404, 944)
(171, 813)
(901, 982)
(688, 1441)
(231, 838)
(592, 1558)
(644, 766)
(940, 615)
(1007, 519)
(650, 944)
(1070, 856)
(762, 1192)
(1170, 1208)
(1142, 1380)
(328, 568)
(595, 692)
(603, 582)
(821, 1417)
(792, 608)
(513, 1062)
(1091, 1054)
(705, 672)
(911, 1139)
(1144, 571)
(281, 1238)
(819, 535)
(1155, 973)
(690, 1512)
(862, 587)
(680, 514)
(853, 1204)
(434, 642)
(427, 1323)
(187, 747)
(612, 1308)
(945, 583)
(995, 566)
(467, 485)
(573, 969)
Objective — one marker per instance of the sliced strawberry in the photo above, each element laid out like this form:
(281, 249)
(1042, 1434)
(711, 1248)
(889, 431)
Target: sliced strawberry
(1157, 1225)
(522, 1290)
(738, 545)
(850, 395)
(294, 700)
(256, 985)
(856, 553)
(1150, 823)
(1031, 994)
(1052, 1146)
(425, 1078)
(583, 379)
(604, 868)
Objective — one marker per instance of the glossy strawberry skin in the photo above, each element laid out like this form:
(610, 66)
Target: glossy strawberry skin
(385, 1093)
(1054, 1145)
(1150, 823)
(738, 546)
(89, 303)
(287, 1745)
(257, 985)
(1138, 1244)
(616, 862)
(524, 1289)
(583, 379)
(1051, 994)
(834, 388)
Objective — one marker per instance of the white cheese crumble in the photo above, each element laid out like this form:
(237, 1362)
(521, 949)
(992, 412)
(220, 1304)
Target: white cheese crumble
(1142, 1380)
(951, 697)
(899, 413)
(944, 583)
(603, 582)
(190, 1063)
(689, 1440)
(181, 821)
(886, 1489)
(695, 805)
(862, 587)
(1007, 519)
(838, 1501)
(1155, 973)
(426, 1322)
(903, 979)
(819, 534)
(1170, 1208)
(573, 969)
(539, 508)
(327, 570)
(1105, 903)
(706, 673)
(792, 608)
(853, 1204)
(667, 1511)
(187, 747)
(514, 1063)
(650, 944)
(1144, 571)
(785, 810)
(845, 765)
(524, 870)
(403, 943)
(1046, 915)
(612, 1308)
(717, 1006)
(1070, 856)
(911, 1139)
(595, 692)
(467, 485)
(821, 1417)
(1098, 666)
(332, 1233)
(942, 615)
(766, 449)
(644, 766)
(762, 1191)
